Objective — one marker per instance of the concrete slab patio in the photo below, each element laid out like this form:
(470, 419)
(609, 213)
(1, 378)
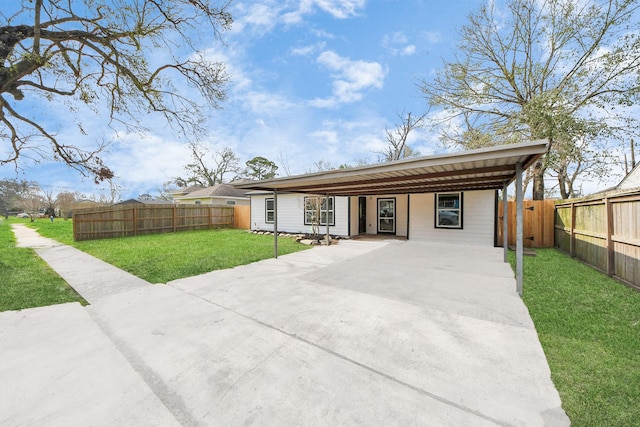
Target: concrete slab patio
(361, 333)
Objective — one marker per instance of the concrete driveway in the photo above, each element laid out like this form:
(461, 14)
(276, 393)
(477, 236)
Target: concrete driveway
(361, 333)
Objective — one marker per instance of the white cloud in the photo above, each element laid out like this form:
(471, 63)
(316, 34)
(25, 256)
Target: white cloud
(432, 37)
(351, 78)
(268, 104)
(308, 50)
(398, 44)
(262, 17)
(341, 8)
(255, 18)
(147, 160)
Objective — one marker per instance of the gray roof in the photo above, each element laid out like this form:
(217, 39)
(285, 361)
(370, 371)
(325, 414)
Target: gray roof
(220, 190)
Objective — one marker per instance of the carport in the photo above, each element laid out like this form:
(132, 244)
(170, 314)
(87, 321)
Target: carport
(491, 168)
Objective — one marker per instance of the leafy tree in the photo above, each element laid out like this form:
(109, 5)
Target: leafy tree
(11, 191)
(207, 172)
(397, 147)
(260, 168)
(559, 70)
(127, 55)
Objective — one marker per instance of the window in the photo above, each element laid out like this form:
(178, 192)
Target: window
(198, 202)
(269, 210)
(315, 206)
(448, 210)
(231, 202)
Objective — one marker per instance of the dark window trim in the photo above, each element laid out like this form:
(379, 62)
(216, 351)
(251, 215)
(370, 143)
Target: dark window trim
(267, 210)
(333, 210)
(460, 225)
(395, 215)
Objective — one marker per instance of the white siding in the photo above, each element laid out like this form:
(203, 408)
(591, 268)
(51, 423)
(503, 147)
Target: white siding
(372, 213)
(478, 218)
(632, 180)
(291, 214)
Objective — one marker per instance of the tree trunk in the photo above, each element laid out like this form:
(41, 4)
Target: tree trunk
(538, 181)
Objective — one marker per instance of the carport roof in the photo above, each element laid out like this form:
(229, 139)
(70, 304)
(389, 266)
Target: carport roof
(481, 169)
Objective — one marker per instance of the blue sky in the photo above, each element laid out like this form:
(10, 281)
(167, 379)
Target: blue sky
(311, 80)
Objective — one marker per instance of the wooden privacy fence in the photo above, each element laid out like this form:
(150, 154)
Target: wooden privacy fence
(537, 221)
(242, 217)
(604, 233)
(137, 219)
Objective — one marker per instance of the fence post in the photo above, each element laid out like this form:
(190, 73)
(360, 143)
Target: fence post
(610, 251)
(135, 222)
(175, 220)
(572, 235)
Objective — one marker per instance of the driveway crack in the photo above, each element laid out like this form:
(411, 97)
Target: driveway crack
(349, 360)
(269, 356)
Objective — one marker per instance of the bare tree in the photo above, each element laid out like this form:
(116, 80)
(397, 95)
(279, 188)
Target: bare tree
(49, 202)
(105, 54)
(397, 147)
(559, 70)
(283, 159)
(109, 196)
(31, 201)
(321, 166)
(208, 171)
(65, 201)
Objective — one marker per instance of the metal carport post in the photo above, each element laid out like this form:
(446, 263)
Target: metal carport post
(519, 228)
(275, 223)
(505, 225)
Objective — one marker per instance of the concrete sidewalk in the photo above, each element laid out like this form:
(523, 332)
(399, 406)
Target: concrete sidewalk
(92, 278)
(361, 333)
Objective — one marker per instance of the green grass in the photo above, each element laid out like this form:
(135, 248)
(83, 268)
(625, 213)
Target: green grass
(589, 327)
(26, 281)
(160, 258)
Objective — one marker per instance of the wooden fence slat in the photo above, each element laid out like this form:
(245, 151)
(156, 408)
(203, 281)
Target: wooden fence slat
(538, 223)
(242, 217)
(130, 220)
(604, 232)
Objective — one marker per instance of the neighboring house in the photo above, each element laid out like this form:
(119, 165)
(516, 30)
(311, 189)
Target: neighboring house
(84, 203)
(631, 181)
(449, 198)
(221, 194)
(142, 202)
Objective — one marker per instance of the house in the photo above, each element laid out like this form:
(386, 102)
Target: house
(142, 202)
(221, 194)
(631, 181)
(449, 198)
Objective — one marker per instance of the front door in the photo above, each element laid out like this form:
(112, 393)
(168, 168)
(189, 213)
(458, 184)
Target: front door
(362, 215)
(387, 216)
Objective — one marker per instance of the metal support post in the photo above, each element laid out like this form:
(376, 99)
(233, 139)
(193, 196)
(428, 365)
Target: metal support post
(519, 229)
(275, 223)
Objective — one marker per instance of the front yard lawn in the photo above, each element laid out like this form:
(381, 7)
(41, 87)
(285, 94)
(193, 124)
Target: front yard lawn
(160, 258)
(27, 281)
(589, 327)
